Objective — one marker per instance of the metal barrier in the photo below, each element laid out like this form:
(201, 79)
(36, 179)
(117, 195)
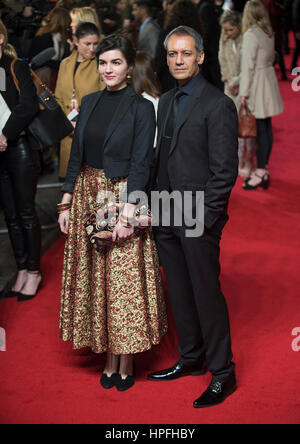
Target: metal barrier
(54, 223)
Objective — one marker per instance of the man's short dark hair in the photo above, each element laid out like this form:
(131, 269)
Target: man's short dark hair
(147, 4)
(186, 30)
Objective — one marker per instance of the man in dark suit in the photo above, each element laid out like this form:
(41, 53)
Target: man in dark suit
(149, 30)
(197, 151)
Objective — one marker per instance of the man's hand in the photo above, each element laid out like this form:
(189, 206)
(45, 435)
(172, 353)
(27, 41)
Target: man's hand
(3, 143)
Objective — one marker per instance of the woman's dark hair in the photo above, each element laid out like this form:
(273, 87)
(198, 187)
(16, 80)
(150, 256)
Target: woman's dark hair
(184, 13)
(86, 28)
(117, 41)
(144, 78)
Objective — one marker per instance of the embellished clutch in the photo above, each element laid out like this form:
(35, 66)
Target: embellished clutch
(100, 224)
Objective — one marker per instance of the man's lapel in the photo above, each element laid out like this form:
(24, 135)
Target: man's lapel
(162, 114)
(187, 111)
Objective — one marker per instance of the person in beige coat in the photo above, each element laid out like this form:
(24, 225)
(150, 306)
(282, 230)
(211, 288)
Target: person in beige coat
(78, 76)
(259, 86)
(230, 63)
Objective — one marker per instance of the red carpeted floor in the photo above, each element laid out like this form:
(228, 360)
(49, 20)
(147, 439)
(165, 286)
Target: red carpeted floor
(44, 381)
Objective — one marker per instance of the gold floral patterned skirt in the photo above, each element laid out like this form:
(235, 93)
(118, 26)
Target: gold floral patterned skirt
(111, 300)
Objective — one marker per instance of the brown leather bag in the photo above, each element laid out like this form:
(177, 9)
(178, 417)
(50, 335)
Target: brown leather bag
(247, 123)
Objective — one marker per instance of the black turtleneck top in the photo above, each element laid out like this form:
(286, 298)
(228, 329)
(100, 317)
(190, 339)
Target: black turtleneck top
(97, 126)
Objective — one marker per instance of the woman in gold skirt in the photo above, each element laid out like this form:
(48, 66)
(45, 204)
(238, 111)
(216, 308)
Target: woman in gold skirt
(112, 299)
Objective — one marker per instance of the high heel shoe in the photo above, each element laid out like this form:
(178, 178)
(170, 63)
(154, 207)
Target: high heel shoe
(264, 183)
(11, 294)
(125, 384)
(27, 297)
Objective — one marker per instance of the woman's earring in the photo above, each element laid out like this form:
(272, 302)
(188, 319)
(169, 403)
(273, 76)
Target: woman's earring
(129, 76)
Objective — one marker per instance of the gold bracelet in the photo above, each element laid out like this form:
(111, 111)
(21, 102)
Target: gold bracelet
(63, 207)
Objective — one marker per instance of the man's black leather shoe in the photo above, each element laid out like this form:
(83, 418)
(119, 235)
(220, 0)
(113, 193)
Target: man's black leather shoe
(216, 393)
(178, 371)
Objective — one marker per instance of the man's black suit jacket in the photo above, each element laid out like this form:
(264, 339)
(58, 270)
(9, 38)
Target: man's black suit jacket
(204, 150)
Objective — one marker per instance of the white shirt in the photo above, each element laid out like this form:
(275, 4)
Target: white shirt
(155, 102)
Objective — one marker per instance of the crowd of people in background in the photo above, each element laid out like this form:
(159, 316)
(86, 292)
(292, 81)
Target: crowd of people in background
(74, 29)
(34, 25)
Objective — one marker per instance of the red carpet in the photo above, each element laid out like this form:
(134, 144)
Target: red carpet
(44, 381)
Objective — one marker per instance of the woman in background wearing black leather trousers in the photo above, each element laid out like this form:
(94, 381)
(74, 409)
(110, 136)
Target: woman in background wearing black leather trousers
(19, 170)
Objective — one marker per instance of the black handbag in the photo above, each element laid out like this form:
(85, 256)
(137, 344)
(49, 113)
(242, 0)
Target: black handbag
(50, 125)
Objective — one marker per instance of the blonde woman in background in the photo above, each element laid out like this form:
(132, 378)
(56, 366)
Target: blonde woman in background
(85, 14)
(230, 63)
(78, 76)
(259, 86)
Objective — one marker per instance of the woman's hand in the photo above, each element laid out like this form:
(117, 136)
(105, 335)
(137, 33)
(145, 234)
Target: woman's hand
(244, 101)
(3, 143)
(64, 217)
(64, 221)
(122, 233)
(234, 90)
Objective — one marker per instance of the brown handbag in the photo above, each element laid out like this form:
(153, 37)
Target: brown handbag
(247, 123)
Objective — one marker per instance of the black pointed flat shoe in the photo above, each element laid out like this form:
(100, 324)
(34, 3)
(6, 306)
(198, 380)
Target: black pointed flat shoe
(125, 384)
(108, 382)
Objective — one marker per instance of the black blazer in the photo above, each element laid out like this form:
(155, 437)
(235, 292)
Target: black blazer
(24, 106)
(128, 144)
(204, 150)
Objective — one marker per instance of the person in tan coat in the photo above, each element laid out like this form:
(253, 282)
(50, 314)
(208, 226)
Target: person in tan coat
(230, 63)
(259, 86)
(78, 76)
